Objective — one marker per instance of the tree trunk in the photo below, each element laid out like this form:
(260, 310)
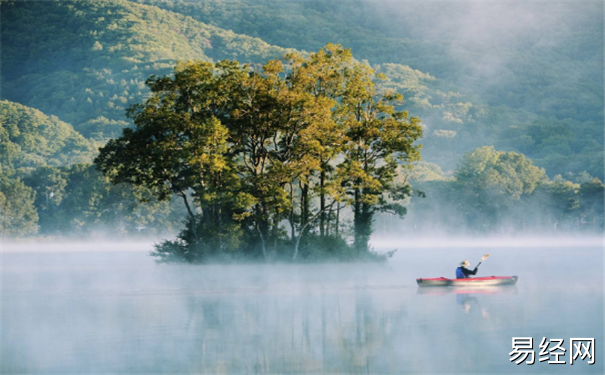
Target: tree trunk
(292, 227)
(191, 215)
(367, 217)
(219, 224)
(322, 203)
(329, 216)
(298, 238)
(274, 235)
(304, 217)
(262, 242)
(357, 219)
(304, 204)
(337, 229)
(362, 223)
(296, 244)
(263, 228)
(302, 232)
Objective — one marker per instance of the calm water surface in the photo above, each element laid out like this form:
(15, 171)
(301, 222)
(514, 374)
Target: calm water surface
(117, 312)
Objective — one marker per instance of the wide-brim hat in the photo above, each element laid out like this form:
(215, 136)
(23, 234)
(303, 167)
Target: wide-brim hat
(464, 263)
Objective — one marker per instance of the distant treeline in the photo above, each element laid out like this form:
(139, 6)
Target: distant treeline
(515, 197)
(79, 202)
(500, 192)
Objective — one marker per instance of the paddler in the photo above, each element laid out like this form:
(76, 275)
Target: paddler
(462, 272)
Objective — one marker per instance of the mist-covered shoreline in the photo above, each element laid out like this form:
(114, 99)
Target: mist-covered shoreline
(381, 243)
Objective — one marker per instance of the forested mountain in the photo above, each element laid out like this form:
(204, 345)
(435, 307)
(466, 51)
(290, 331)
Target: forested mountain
(538, 66)
(539, 91)
(543, 57)
(30, 139)
(522, 77)
(85, 61)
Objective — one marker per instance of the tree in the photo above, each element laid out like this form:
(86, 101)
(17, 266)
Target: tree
(492, 181)
(179, 145)
(558, 201)
(379, 140)
(357, 124)
(18, 216)
(49, 184)
(591, 196)
(247, 143)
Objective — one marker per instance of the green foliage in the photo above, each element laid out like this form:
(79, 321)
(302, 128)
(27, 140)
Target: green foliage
(491, 182)
(421, 172)
(89, 60)
(591, 200)
(49, 183)
(488, 87)
(29, 139)
(248, 144)
(79, 201)
(86, 62)
(505, 174)
(497, 191)
(18, 217)
(562, 197)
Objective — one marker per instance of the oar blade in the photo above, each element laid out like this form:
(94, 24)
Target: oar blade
(484, 257)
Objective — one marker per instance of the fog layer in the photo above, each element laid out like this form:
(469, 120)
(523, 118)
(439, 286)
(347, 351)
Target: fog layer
(118, 312)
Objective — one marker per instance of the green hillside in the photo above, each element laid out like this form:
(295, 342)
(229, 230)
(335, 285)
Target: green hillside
(526, 77)
(543, 57)
(86, 62)
(30, 139)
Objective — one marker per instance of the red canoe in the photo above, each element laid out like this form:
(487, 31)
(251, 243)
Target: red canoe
(475, 281)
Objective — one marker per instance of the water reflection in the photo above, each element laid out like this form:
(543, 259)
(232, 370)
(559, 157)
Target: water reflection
(443, 290)
(468, 298)
(351, 331)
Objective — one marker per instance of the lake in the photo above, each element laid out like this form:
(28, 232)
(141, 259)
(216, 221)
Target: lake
(108, 308)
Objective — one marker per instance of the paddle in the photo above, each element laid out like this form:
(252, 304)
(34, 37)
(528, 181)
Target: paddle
(482, 259)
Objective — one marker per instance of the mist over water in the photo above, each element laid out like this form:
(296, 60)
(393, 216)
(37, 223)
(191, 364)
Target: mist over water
(71, 311)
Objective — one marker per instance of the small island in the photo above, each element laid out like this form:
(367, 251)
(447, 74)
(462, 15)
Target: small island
(267, 159)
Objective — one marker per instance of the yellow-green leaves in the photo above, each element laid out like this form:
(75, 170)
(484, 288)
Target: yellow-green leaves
(255, 147)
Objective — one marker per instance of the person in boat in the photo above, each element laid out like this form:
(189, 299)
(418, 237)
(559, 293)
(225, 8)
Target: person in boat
(462, 272)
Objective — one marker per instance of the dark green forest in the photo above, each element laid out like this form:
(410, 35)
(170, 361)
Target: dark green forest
(523, 79)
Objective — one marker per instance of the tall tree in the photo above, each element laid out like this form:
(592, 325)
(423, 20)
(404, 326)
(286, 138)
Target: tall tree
(380, 138)
(179, 145)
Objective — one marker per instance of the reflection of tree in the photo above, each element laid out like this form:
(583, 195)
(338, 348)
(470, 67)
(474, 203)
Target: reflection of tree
(366, 342)
(327, 332)
(367, 339)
